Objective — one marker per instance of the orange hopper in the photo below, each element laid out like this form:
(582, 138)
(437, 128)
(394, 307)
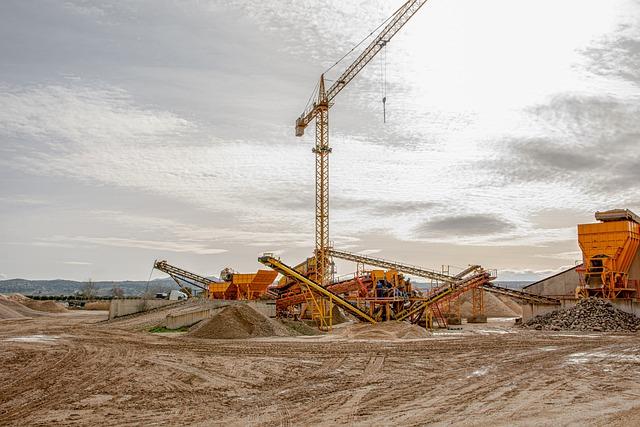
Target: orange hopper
(609, 248)
(242, 286)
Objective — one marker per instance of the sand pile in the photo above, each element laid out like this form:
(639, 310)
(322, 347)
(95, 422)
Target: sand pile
(17, 297)
(45, 306)
(6, 312)
(512, 304)
(239, 321)
(383, 331)
(494, 306)
(338, 316)
(299, 327)
(10, 309)
(588, 315)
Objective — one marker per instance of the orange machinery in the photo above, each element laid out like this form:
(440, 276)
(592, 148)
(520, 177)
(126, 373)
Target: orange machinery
(611, 267)
(239, 286)
(232, 286)
(362, 286)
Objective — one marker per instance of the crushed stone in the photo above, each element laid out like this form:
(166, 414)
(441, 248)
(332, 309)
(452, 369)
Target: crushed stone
(592, 314)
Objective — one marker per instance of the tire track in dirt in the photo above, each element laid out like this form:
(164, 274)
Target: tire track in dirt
(46, 379)
(136, 378)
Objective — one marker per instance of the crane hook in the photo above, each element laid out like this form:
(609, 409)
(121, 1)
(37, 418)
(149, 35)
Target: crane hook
(384, 109)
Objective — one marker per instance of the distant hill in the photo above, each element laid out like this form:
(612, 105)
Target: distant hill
(70, 287)
(133, 288)
(514, 284)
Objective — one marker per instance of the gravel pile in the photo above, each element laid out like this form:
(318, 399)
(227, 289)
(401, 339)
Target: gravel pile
(239, 322)
(588, 315)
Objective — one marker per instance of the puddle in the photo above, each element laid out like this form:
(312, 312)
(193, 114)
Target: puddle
(478, 372)
(578, 335)
(502, 319)
(48, 339)
(492, 331)
(601, 356)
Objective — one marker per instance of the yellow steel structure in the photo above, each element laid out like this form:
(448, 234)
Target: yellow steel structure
(319, 293)
(608, 250)
(306, 268)
(320, 112)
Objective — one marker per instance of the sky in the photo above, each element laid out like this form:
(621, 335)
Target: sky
(142, 130)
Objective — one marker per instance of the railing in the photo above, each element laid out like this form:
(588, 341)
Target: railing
(405, 268)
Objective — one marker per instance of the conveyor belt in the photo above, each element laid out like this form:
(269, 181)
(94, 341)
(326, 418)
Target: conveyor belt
(444, 291)
(184, 275)
(467, 271)
(526, 296)
(405, 268)
(284, 269)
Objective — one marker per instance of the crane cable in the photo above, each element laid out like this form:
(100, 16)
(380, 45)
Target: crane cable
(149, 279)
(383, 78)
(349, 53)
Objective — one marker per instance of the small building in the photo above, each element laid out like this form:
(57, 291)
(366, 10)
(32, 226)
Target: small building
(561, 286)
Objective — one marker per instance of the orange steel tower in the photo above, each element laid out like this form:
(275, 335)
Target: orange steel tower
(319, 111)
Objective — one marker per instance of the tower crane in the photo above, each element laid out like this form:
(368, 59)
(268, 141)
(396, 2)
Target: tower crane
(319, 111)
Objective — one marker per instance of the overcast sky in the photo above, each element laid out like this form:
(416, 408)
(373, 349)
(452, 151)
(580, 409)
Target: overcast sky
(136, 130)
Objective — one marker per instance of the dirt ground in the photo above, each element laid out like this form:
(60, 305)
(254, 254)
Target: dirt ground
(75, 369)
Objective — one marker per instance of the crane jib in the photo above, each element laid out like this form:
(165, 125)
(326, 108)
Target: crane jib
(396, 22)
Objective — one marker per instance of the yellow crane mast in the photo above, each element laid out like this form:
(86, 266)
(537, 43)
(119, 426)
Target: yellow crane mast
(319, 111)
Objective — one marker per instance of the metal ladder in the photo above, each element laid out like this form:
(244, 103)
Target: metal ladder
(318, 306)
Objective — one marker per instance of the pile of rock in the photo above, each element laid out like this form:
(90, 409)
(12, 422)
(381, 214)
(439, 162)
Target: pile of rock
(239, 321)
(588, 315)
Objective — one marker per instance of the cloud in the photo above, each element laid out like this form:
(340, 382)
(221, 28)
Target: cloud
(190, 247)
(618, 57)
(464, 226)
(370, 251)
(559, 217)
(193, 108)
(569, 255)
(100, 134)
(378, 207)
(590, 143)
(83, 114)
(530, 275)
(618, 53)
(540, 159)
(177, 230)
(24, 200)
